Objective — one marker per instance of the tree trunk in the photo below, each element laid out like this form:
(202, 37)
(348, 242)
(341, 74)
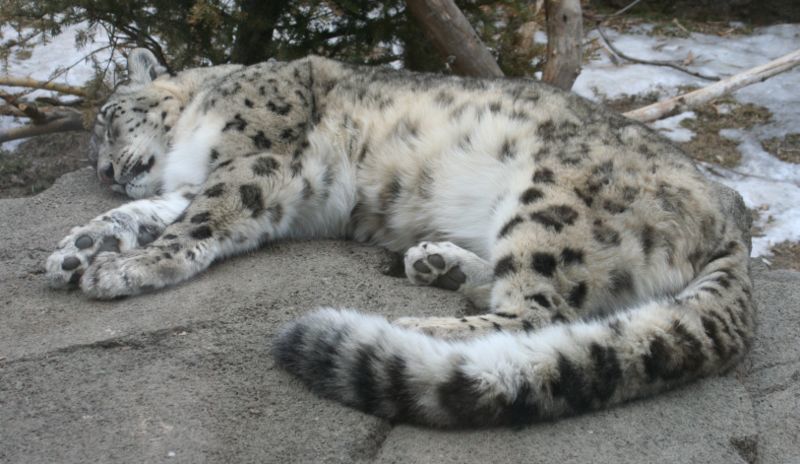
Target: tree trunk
(564, 37)
(254, 37)
(454, 38)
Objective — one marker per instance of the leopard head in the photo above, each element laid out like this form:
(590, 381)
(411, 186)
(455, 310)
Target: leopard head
(132, 130)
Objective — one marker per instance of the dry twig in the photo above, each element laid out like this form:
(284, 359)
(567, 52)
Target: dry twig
(599, 20)
(669, 64)
(604, 18)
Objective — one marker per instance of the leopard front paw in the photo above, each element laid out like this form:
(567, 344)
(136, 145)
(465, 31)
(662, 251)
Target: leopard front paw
(77, 251)
(112, 276)
(436, 264)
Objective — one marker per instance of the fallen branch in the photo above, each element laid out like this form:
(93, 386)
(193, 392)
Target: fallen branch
(67, 122)
(44, 120)
(632, 59)
(34, 84)
(11, 110)
(698, 97)
(33, 113)
(50, 101)
(37, 114)
(28, 110)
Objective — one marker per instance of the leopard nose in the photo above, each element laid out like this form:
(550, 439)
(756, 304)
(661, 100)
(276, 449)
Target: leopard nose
(106, 174)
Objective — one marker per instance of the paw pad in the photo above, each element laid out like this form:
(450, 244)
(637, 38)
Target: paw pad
(83, 242)
(67, 265)
(420, 266)
(70, 263)
(435, 264)
(436, 261)
(451, 280)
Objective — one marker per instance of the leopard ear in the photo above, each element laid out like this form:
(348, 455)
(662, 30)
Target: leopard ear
(143, 67)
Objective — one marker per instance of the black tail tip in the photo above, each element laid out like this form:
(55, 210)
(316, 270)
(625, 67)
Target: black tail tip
(286, 349)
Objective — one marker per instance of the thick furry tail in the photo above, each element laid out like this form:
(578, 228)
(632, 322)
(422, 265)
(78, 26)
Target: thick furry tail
(518, 378)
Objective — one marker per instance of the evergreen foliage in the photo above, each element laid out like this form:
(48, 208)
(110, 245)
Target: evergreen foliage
(185, 33)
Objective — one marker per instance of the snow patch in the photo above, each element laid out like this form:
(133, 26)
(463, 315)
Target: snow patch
(58, 52)
(672, 129)
(766, 183)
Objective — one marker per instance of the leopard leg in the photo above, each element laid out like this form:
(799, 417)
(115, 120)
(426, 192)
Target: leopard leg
(551, 269)
(129, 226)
(525, 302)
(448, 266)
(244, 203)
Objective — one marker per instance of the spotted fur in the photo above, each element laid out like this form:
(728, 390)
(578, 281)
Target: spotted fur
(609, 267)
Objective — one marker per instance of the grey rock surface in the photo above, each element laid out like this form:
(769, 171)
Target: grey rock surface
(184, 375)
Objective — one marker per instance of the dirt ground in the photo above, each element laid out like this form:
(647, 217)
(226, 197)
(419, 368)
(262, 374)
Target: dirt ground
(39, 161)
(785, 149)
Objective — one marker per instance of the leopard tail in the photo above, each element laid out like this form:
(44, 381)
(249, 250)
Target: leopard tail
(517, 378)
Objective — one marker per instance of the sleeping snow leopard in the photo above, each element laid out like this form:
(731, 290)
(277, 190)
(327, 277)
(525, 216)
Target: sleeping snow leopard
(609, 268)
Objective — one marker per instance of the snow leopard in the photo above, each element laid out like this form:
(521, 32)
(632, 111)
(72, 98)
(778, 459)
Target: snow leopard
(606, 266)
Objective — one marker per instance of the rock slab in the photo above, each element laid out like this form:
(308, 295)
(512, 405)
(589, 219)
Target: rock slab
(184, 375)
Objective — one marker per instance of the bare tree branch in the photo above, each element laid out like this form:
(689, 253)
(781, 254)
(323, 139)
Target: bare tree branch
(45, 85)
(669, 64)
(604, 18)
(564, 37)
(23, 40)
(144, 40)
(454, 38)
(624, 9)
(49, 82)
(696, 98)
